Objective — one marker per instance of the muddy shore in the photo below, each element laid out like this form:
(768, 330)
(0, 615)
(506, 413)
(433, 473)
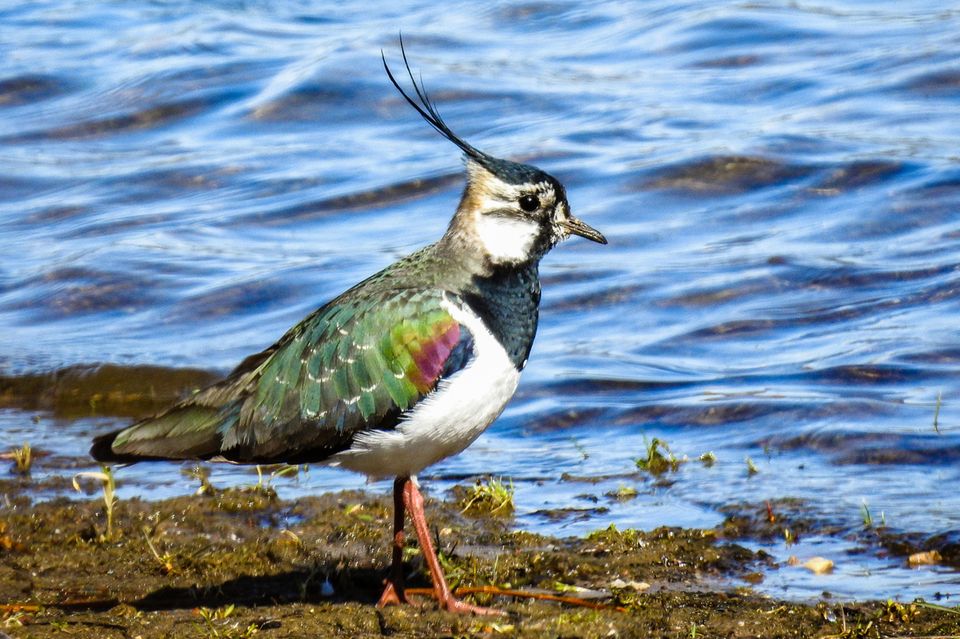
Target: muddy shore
(243, 563)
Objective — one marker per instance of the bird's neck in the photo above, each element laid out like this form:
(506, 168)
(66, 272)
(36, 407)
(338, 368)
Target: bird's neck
(508, 301)
(505, 295)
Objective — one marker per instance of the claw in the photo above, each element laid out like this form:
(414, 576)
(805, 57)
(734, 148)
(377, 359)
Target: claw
(407, 497)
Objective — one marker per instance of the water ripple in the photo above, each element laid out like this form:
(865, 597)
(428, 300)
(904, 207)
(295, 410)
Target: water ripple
(146, 118)
(30, 89)
(726, 174)
(179, 184)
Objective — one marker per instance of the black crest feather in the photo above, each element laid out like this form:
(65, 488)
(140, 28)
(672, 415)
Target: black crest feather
(506, 170)
(427, 109)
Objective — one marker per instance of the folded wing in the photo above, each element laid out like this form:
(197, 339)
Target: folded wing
(353, 365)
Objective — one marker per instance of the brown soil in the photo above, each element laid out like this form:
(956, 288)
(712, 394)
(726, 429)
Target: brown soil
(241, 563)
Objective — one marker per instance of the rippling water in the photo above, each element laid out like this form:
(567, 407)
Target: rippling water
(180, 182)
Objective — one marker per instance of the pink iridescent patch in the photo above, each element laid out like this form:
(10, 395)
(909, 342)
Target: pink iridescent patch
(431, 356)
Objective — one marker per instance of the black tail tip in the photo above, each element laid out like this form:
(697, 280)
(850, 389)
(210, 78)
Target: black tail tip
(102, 449)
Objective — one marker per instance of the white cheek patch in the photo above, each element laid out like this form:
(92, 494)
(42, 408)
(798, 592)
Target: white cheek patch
(506, 239)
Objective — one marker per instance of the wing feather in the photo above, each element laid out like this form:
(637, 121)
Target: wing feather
(353, 365)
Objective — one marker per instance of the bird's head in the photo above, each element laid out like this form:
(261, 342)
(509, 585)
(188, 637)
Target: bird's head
(514, 213)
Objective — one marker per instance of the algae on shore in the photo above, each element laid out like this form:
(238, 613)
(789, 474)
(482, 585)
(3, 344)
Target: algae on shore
(241, 562)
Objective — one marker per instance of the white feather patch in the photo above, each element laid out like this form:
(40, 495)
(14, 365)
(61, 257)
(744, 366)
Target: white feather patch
(506, 239)
(447, 420)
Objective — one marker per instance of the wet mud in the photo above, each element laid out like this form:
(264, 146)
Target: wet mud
(101, 389)
(242, 563)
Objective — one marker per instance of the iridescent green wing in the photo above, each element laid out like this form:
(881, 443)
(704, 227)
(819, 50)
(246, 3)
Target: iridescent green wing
(352, 366)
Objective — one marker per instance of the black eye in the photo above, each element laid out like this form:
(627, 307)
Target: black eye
(529, 203)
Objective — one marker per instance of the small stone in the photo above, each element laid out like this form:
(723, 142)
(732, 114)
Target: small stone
(928, 558)
(819, 565)
(639, 586)
(124, 610)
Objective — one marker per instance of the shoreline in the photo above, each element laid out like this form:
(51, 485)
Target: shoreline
(241, 562)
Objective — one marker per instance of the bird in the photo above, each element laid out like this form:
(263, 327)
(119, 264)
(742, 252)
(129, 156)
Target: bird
(404, 369)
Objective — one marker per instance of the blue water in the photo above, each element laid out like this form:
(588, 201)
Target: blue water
(780, 184)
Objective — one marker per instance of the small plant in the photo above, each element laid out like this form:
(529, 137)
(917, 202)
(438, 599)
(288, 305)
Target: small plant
(261, 486)
(15, 618)
(571, 589)
(658, 458)
(165, 560)
(584, 455)
(751, 467)
(22, 459)
(276, 473)
(708, 459)
(895, 612)
(624, 492)
(264, 485)
(356, 511)
(867, 516)
(493, 497)
(788, 537)
(217, 624)
(454, 570)
(201, 474)
(932, 606)
(105, 477)
(859, 631)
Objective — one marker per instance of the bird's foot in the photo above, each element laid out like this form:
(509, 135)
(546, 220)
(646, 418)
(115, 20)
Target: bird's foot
(451, 604)
(392, 595)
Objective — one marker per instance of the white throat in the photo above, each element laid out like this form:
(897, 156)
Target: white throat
(506, 239)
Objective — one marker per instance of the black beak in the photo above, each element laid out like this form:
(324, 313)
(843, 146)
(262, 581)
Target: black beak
(577, 227)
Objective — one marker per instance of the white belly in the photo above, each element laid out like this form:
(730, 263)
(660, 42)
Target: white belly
(447, 420)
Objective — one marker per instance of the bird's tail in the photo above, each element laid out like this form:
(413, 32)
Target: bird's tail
(184, 432)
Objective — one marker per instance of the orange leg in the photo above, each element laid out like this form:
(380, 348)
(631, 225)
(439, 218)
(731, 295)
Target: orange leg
(413, 501)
